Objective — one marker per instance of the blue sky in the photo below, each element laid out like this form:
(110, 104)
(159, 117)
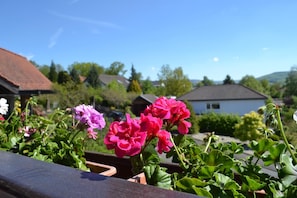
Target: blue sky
(212, 38)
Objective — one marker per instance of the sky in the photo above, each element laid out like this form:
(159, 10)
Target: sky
(212, 38)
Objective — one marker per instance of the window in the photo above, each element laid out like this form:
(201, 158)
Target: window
(213, 106)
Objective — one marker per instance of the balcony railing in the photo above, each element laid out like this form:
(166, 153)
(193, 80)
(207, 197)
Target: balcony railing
(22, 176)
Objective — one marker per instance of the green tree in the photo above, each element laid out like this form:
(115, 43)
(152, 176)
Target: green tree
(115, 95)
(45, 70)
(93, 77)
(174, 81)
(291, 83)
(63, 77)
(205, 82)
(134, 85)
(252, 82)
(53, 75)
(148, 87)
(84, 68)
(228, 80)
(74, 75)
(116, 68)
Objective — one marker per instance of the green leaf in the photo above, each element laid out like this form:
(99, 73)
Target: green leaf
(226, 182)
(288, 172)
(274, 153)
(261, 146)
(157, 176)
(193, 185)
(250, 184)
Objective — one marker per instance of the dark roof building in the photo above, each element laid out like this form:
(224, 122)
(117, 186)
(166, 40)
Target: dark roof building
(20, 77)
(140, 103)
(105, 79)
(222, 92)
(232, 98)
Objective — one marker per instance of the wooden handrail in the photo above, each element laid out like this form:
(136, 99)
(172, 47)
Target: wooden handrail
(22, 176)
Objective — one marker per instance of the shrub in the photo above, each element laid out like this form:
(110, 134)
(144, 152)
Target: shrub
(250, 127)
(221, 124)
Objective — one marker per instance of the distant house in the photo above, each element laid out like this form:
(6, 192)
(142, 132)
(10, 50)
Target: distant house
(236, 99)
(19, 77)
(141, 102)
(105, 79)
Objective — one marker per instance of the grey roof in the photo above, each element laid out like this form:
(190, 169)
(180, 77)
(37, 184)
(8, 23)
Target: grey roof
(222, 92)
(106, 79)
(149, 97)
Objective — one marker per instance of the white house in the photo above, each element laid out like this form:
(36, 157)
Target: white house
(233, 98)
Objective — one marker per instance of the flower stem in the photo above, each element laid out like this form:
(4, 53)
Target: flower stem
(181, 159)
(281, 128)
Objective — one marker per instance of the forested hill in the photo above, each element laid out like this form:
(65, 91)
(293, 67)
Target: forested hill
(275, 77)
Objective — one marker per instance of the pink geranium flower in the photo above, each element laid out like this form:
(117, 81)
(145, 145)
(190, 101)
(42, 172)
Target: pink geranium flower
(90, 118)
(164, 142)
(125, 137)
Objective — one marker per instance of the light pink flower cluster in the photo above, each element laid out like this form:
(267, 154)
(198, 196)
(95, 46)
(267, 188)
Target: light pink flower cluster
(90, 118)
(130, 136)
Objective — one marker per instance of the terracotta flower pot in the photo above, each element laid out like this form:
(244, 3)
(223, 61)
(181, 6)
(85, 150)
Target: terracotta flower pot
(140, 178)
(102, 169)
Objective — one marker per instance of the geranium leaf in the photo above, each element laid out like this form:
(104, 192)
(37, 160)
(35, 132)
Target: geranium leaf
(193, 185)
(250, 184)
(226, 182)
(157, 176)
(288, 172)
(274, 153)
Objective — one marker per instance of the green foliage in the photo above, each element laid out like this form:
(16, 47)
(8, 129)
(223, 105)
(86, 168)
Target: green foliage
(291, 81)
(175, 82)
(148, 87)
(51, 138)
(221, 124)
(63, 77)
(252, 82)
(69, 95)
(115, 95)
(134, 87)
(93, 77)
(53, 75)
(116, 68)
(84, 68)
(74, 76)
(228, 80)
(250, 127)
(205, 82)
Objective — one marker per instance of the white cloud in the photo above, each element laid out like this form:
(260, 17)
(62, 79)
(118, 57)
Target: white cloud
(265, 49)
(54, 37)
(215, 59)
(86, 20)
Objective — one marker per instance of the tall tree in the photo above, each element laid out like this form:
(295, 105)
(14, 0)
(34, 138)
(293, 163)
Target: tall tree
(63, 77)
(228, 80)
(53, 75)
(134, 81)
(74, 75)
(291, 83)
(116, 68)
(93, 77)
(174, 81)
